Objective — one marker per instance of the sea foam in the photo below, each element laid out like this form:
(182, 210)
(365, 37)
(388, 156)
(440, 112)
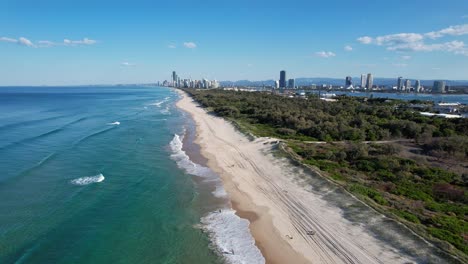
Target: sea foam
(184, 162)
(88, 180)
(232, 237)
(116, 123)
(229, 233)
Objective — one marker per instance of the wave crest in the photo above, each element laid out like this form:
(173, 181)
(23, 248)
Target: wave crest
(88, 180)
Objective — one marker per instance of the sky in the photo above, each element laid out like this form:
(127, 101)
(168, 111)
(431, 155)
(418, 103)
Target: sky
(65, 42)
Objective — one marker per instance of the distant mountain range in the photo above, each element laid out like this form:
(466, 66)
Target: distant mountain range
(338, 82)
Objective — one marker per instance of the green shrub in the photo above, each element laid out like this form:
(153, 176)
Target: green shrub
(453, 239)
(371, 193)
(406, 215)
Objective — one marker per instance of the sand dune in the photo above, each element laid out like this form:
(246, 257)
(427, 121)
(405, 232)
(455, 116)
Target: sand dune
(295, 217)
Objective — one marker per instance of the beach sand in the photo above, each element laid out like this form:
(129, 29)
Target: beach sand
(291, 221)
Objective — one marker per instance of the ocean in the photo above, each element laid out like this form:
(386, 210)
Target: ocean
(110, 175)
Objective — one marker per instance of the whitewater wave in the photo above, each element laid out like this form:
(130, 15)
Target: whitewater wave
(184, 162)
(159, 103)
(232, 237)
(116, 123)
(229, 233)
(88, 180)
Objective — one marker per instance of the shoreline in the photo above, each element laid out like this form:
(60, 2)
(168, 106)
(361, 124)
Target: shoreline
(291, 219)
(272, 246)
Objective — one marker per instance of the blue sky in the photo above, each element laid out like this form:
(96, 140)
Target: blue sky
(64, 42)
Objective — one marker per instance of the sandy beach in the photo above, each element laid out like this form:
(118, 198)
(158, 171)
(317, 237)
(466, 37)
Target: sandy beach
(293, 217)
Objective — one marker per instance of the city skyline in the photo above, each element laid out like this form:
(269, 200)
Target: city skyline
(63, 43)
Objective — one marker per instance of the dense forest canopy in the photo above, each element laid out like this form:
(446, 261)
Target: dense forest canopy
(413, 187)
(349, 118)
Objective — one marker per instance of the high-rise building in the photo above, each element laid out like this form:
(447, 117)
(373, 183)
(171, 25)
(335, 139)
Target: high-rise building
(276, 84)
(400, 84)
(408, 85)
(439, 87)
(370, 81)
(174, 78)
(417, 86)
(363, 80)
(206, 84)
(348, 81)
(282, 80)
(291, 83)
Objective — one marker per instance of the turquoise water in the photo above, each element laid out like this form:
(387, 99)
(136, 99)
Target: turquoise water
(89, 175)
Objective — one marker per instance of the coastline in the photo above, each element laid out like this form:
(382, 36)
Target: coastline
(273, 247)
(291, 221)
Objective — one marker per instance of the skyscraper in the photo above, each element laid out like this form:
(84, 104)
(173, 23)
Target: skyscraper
(400, 84)
(291, 83)
(282, 80)
(348, 81)
(370, 81)
(417, 86)
(439, 87)
(174, 78)
(408, 85)
(363, 80)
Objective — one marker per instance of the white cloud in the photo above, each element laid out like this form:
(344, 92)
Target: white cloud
(457, 47)
(46, 43)
(190, 45)
(325, 54)
(127, 64)
(172, 46)
(391, 39)
(365, 40)
(451, 31)
(400, 38)
(10, 40)
(85, 41)
(406, 57)
(402, 65)
(21, 41)
(416, 41)
(348, 48)
(25, 42)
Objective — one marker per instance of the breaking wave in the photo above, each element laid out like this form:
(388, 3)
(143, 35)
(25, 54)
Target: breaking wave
(184, 162)
(159, 103)
(232, 237)
(228, 232)
(88, 180)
